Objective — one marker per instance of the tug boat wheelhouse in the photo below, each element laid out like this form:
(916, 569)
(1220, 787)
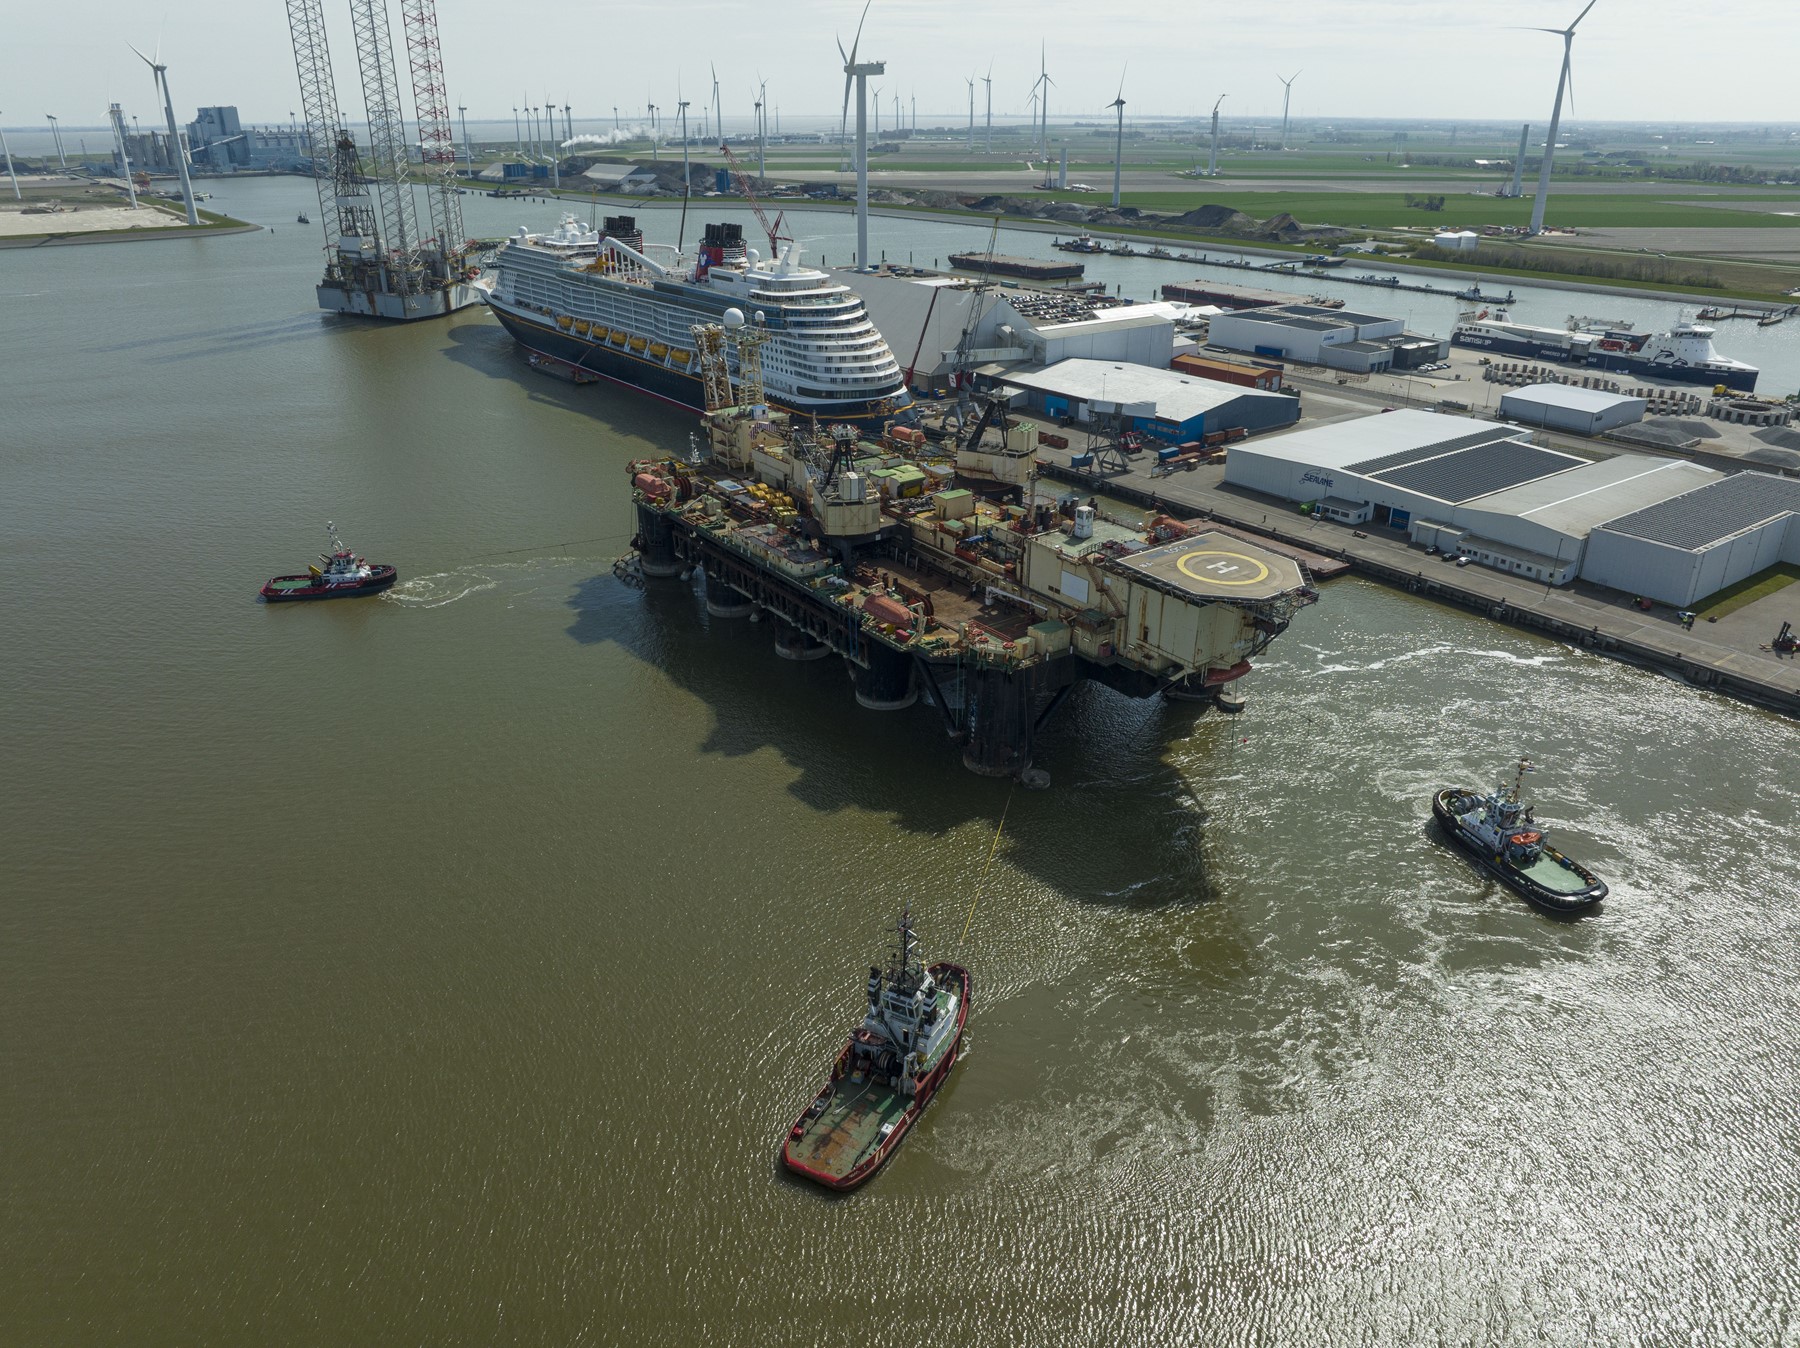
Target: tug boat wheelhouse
(894, 1063)
(1509, 844)
(606, 302)
(338, 574)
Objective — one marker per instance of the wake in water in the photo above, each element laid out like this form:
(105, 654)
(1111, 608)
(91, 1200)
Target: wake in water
(445, 587)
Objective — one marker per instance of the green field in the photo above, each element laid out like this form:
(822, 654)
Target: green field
(1388, 210)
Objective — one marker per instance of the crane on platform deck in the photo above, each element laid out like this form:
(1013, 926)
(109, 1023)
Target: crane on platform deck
(744, 183)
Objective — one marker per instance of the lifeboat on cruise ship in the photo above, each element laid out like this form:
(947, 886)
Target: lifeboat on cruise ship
(581, 327)
(637, 344)
(614, 337)
(563, 321)
(658, 351)
(684, 358)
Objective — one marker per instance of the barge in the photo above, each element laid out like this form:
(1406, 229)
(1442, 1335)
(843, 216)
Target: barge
(1031, 268)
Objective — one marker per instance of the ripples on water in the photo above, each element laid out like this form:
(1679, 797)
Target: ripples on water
(446, 967)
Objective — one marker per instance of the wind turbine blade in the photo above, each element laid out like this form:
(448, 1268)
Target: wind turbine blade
(1520, 28)
(1122, 70)
(1584, 13)
(856, 45)
(1569, 75)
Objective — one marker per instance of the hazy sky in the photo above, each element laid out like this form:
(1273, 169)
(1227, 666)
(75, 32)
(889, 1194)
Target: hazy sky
(1634, 59)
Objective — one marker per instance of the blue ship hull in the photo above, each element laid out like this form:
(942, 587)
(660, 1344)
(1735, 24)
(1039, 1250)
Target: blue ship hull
(1743, 381)
(622, 366)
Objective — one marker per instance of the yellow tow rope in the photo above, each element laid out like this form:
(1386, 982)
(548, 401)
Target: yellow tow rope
(993, 847)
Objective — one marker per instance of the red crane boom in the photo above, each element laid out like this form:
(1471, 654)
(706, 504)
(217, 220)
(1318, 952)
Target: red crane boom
(742, 178)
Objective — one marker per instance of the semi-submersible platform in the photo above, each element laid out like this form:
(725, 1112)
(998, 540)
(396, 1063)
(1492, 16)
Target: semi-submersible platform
(934, 567)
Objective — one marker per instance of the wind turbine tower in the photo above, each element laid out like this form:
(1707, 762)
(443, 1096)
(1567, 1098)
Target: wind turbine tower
(1045, 81)
(1564, 80)
(1212, 163)
(117, 119)
(857, 73)
(1287, 94)
(6, 153)
(56, 131)
(987, 79)
(1517, 189)
(971, 84)
(717, 109)
(159, 74)
(1118, 106)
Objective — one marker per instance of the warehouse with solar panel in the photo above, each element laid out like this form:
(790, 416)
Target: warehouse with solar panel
(1461, 487)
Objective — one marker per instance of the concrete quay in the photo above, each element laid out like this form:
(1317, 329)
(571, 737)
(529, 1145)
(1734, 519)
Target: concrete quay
(1730, 656)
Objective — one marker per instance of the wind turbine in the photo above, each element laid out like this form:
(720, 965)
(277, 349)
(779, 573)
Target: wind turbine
(858, 74)
(1212, 164)
(468, 150)
(56, 131)
(1287, 92)
(762, 126)
(518, 134)
(1044, 101)
(971, 83)
(718, 108)
(988, 79)
(1566, 79)
(159, 75)
(1118, 106)
(6, 151)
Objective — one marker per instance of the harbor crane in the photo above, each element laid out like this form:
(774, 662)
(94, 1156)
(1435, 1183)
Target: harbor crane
(745, 185)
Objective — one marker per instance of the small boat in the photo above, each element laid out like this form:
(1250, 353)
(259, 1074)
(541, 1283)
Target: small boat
(339, 574)
(301, 219)
(1509, 844)
(894, 1063)
(1081, 244)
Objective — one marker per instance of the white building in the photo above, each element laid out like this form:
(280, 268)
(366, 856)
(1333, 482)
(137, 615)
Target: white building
(1462, 485)
(1564, 407)
(1311, 334)
(923, 319)
(1683, 549)
(1166, 404)
(1456, 240)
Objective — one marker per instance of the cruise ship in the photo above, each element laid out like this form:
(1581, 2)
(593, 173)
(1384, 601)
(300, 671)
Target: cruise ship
(604, 303)
(1683, 355)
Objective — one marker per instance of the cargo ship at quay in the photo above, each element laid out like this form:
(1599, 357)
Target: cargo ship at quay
(1683, 355)
(932, 568)
(604, 304)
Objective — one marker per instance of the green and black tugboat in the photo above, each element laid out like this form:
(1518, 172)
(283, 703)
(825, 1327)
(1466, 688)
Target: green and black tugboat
(1509, 844)
(894, 1063)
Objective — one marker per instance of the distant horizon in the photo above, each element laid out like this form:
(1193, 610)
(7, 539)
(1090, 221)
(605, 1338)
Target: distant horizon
(1394, 60)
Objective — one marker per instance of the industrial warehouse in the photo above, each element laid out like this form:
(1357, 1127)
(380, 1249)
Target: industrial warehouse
(1483, 491)
(1165, 404)
(1339, 339)
(1568, 407)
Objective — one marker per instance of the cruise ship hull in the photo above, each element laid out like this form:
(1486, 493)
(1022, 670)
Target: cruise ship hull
(661, 380)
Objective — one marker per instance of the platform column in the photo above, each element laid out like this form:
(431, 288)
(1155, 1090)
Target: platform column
(722, 601)
(1002, 717)
(656, 544)
(885, 683)
(794, 643)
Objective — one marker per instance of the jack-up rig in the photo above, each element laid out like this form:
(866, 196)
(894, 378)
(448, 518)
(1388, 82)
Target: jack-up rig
(935, 566)
(377, 264)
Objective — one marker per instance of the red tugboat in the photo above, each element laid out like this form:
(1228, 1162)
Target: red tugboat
(888, 1072)
(338, 574)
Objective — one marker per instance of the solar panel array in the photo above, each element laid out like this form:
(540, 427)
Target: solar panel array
(1707, 514)
(1469, 473)
(1487, 435)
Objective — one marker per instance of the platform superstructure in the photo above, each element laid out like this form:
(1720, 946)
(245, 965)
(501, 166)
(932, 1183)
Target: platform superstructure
(604, 302)
(937, 568)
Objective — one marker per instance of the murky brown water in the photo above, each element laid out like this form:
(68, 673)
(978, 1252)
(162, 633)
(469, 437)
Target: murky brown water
(444, 968)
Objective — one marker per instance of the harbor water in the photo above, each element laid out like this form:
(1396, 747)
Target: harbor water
(445, 967)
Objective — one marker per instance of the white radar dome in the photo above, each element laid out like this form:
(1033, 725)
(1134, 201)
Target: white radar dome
(734, 318)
